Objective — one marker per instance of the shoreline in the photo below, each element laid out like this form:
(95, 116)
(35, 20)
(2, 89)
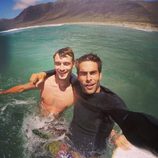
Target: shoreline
(141, 26)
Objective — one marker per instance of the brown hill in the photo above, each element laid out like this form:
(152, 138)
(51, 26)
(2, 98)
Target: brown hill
(111, 11)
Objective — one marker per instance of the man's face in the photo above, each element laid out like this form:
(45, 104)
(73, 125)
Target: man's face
(63, 66)
(89, 77)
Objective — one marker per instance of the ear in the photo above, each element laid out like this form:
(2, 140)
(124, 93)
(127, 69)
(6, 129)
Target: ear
(100, 76)
(73, 64)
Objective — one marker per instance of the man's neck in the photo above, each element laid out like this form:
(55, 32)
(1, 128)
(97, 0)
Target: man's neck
(63, 84)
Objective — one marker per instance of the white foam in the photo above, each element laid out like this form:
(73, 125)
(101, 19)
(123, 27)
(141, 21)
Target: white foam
(30, 27)
(132, 152)
(34, 142)
(2, 109)
(29, 101)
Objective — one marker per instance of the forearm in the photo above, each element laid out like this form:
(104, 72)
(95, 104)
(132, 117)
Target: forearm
(18, 89)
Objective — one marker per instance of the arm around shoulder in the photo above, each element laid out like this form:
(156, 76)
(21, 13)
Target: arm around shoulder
(37, 78)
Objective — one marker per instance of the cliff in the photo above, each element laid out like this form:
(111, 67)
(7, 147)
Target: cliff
(107, 11)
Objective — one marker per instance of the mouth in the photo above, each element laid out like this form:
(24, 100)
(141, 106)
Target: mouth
(90, 86)
(62, 73)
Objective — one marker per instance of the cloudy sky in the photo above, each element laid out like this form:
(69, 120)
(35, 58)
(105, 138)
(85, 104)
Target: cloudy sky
(11, 8)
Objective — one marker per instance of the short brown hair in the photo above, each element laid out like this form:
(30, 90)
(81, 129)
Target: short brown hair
(89, 57)
(64, 52)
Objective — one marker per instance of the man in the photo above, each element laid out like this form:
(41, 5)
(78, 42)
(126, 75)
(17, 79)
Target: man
(95, 109)
(90, 128)
(56, 95)
(59, 84)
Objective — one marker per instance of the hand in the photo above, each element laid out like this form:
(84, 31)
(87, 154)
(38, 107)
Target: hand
(122, 142)
(38, 78)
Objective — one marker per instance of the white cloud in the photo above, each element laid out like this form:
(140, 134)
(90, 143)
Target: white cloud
(22, 4)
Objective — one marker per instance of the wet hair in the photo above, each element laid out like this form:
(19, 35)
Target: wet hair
(89, 57)
(64, 52)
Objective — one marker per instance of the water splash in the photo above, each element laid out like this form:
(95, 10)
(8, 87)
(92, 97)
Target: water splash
(29, 101)
(40, 131)
(133, 151)
(2, 109)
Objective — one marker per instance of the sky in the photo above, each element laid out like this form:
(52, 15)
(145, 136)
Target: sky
(11, 8)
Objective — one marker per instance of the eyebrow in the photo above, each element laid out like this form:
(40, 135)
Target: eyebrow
(82, 71)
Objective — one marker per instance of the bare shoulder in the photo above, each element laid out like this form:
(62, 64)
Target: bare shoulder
(50, 80)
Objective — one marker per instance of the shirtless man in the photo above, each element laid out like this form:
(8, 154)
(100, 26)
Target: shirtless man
(56, 91)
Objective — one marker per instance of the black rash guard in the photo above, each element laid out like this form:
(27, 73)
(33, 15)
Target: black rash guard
(90, 126)
(92, 123)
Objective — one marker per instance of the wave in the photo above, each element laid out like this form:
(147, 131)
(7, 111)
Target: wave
(125, 25)
(29, 27)
(23, 102)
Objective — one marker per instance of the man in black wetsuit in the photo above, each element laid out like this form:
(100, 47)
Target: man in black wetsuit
(95, 109)
(90, 127)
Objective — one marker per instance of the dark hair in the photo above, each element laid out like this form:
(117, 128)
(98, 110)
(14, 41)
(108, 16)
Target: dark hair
(64, 52)
(89, 57)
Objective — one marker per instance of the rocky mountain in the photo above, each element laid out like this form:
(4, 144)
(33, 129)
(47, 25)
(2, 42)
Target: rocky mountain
(64, 11)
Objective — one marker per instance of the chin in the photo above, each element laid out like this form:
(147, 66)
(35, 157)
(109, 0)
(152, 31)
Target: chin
(63, 78)
(89, 91)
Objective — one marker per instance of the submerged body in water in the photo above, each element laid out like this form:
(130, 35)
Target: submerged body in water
(40, 131)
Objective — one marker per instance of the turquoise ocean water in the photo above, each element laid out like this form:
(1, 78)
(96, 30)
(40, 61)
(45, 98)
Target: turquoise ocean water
(130, 68)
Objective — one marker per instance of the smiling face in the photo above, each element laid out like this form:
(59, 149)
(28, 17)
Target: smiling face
(63, 66)
(89, 77)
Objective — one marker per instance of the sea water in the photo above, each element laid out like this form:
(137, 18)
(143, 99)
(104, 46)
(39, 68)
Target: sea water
(130, 68)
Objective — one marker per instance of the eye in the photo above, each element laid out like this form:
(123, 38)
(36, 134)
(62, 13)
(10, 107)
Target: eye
(93, 72)
(57, 63)
(67, 63)
(82, 73)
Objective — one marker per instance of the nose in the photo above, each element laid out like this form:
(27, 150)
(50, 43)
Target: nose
(62, 68)
(88, 77)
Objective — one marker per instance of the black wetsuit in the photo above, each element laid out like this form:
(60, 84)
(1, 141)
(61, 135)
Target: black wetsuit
(91, 126)
(93, 121)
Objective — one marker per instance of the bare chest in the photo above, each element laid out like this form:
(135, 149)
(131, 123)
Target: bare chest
(52, 95)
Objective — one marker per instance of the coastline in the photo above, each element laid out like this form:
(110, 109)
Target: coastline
(139, 26)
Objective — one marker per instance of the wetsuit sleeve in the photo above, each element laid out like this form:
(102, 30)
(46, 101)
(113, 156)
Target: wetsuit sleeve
(50, 72)
(139, 128)
(118, 103)
(110, 100)
(73, 79)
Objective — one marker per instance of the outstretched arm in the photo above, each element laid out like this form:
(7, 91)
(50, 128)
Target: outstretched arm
(19, 88)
